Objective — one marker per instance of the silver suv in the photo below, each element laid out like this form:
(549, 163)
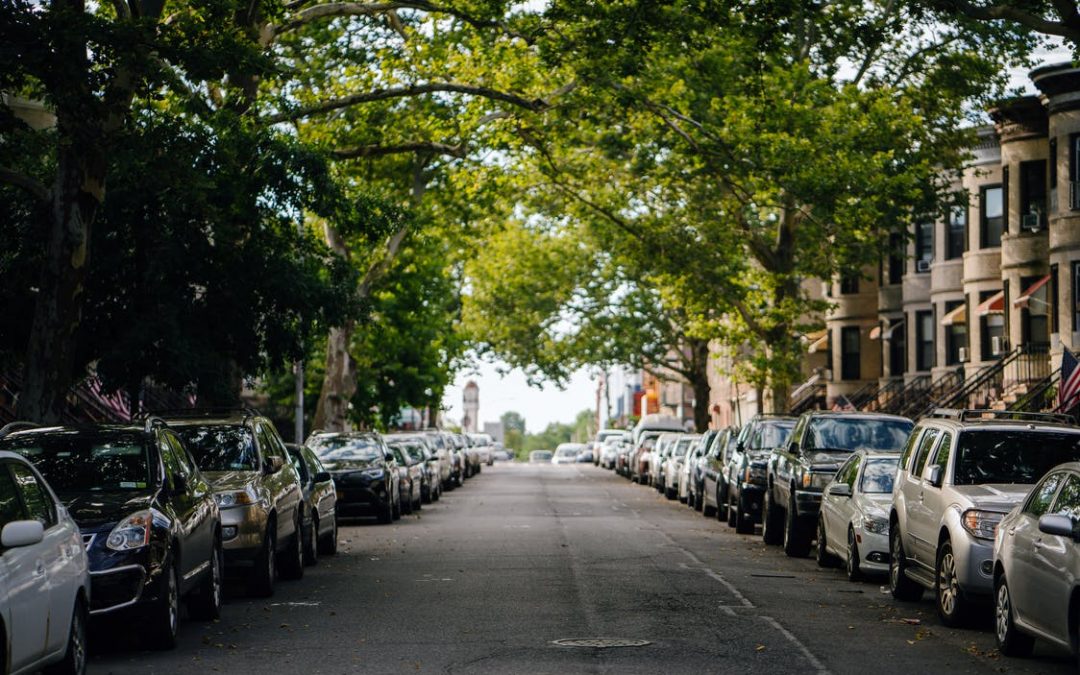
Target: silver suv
(960, 473)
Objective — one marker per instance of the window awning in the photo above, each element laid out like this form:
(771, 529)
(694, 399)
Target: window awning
(995, 304)
(1031, 290)
(957, 317)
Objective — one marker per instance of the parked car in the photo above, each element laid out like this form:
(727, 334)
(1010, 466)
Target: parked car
(438, 450)
(470, 456)
(657, 460)
(455, 454)
(680, 479)
(540, 457)
(586, 456)
(44, 615)
(256, 488)
(418, 447)
(695, 470)
(412, 478)
(714, 479)
(656, 422)
(365, 473)
(799, 470)
(1037, 566)
(747, 468)
(485, 447)
(650, 425)
(147, 518)
(601, 439)
(566, 453)
(960, 473)
(501, 455)
(319, 521)
(854, 522)
(640, 458)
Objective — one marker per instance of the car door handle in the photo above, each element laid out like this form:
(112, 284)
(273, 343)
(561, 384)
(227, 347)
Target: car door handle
(39, 568)
(1037, 543)
(1011, 531)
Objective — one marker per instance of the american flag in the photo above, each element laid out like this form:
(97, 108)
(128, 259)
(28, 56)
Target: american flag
(1069, 391)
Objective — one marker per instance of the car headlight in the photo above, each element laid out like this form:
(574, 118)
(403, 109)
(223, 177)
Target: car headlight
(981, 524)
(132, 532)
(234, 498)
(817, 479)
(374, 474)
(875, 525)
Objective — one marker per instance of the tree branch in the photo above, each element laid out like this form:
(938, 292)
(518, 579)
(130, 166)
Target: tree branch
(378, 269)
(1068, 27)
(459, 151)
(27, 183)
(406, 91)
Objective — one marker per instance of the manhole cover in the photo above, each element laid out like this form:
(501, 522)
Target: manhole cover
(600, 643)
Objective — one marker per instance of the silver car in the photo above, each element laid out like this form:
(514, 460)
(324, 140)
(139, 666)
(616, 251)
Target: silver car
(1037, 566)
(853, 525)
(959, 474)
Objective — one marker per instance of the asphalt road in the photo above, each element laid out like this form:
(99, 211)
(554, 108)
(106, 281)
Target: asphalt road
(487, 579)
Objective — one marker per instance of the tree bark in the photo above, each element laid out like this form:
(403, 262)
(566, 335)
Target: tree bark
(339, 383)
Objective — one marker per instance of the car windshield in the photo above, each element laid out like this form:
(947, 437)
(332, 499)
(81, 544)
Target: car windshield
(878, 475)
(540, 454)
(221, 447)
(399, 455)
(87, 462)
(566, 452)
(334, 447)
(1011, 456)
(770, 434)
(857, 433)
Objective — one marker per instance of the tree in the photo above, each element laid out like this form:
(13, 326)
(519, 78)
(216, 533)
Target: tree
(512, 421)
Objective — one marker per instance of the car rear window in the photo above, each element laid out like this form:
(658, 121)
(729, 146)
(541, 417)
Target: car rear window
(1011, 455)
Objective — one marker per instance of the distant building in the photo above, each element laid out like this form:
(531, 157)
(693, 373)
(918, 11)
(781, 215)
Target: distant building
(495, 430)
(471, 405)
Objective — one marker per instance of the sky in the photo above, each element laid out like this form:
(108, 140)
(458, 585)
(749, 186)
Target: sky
(539, 407)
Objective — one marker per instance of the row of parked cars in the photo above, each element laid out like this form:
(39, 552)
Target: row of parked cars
(138, 521)
(979, 507)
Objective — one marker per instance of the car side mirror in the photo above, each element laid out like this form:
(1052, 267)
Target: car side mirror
(19, 533)
(323, 477)
(839, 490)
(273, 465)
(934, 477)
(1051, 523)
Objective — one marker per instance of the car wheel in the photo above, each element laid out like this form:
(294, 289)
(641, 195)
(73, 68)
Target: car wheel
(710, 511)
(743, 524)
(74, 661)
(165, 616)
(823, 557)
(406, 505)
(262, 582)
(901, 587)
(796, 539)
(951, 604)
(395, 508)
(311, 542)
(732, 510)
(418, 504)
(205, 605)
(851, 562)
(292, 564)
(771, 521)
(328, 542)
(670, 493)
(1010, 641)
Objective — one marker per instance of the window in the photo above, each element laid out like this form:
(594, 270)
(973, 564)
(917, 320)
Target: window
(1032, 195)
(849, 353)
(991, 208)
(924, 246)
(956, 236)
(1068, 501)
(1035, 319)
(847, 471)
(896, 257)
(11, 508)
(1055, 320)
(909, 449)
(941, 458)
(897, 348)
(38, 503)
(990, 326)
(956, 336)
(849, 284)
(924, 340)
(924, 451)
(1074, 172)
(1043, 496)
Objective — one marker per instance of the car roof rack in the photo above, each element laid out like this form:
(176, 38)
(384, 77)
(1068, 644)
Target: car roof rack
(17, 425)
(195, 413)
(977, 414)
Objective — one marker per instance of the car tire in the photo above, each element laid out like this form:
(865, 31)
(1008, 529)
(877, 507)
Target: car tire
(732, 510)
(710, 511)
(823, 557)
(74, 661)
(952, 606)
(328, 541)
(395, 508)
(901, 587)
(851, 561)
(406, 505)
(670, 493)
(164, 617)
(1010, 641)
(743, 525)
(386, 514)
(772, 521)
(311, 542)
(205, 604)
(796, 538)
(292, 562)
(262, 581)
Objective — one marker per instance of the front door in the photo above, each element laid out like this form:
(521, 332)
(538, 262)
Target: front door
(1050, 567)
(24, 578)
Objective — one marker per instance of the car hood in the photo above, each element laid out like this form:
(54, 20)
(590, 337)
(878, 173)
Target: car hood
(96, 508)
(350, 464)
(875, 504)
(224, 481)
(826, 459)
(993, 497)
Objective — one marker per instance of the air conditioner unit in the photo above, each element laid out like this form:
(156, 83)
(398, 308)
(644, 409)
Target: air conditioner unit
(997, 345)
(963, 354)
(922, 265)
(1031, 222)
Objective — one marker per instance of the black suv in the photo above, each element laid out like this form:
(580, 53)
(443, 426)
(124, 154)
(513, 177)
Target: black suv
(148, 519)
(800, 470)
(365, 473)
(746, 468)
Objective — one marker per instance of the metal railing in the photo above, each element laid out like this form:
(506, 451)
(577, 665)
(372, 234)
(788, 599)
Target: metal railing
(946, 383)
(978, 391)
(914, 390)
(884, 394)
(1041, 397)
(811, 397)
(1031, 366)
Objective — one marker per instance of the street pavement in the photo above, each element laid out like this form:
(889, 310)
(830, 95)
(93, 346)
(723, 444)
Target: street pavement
(486, 581)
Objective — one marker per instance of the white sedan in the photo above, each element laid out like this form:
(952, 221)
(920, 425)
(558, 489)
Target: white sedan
(854, 521)
(44, 574)
(566, 453)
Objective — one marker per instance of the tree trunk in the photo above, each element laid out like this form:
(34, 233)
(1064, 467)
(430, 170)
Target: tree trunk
(699, 380)
(780, 394)
(339, 383)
